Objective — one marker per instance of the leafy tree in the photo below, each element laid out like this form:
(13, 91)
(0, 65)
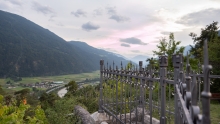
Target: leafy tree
(71, 87)
(169, 48)
(61, 112)
(129, 65)
(8, 99)
(23, 92)
(12, 114)
(1, 91)
(48, 100)
(210, 32)
(21, 95)
(153, 63)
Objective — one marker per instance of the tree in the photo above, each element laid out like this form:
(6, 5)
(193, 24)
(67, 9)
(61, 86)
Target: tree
(209, 33)
(48, 100)
(169, 48)
(2, 92)
(11, 114)
(21, 95)
(71, 87)
(129, 65)
(8, 99)
(61, 112)
(153, 63)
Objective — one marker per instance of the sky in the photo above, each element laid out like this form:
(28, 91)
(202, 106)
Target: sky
(126, 27)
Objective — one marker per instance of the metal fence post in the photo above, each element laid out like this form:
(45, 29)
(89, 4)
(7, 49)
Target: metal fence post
(150, 94)
(206, 92)
(101, 88)
(177, 59)
(163, 61)
(142, 91)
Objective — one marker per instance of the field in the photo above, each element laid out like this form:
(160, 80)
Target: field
(65, 78)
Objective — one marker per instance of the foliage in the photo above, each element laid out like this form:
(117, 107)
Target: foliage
(1, 90)
(48, 100)
(169, 48)
(129, 66)
(12, 114)
(153, 63)
(88, 96)
(210, 32)
(71, 87)
(61, 112)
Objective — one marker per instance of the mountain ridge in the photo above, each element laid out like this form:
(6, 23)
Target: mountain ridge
(27, 49)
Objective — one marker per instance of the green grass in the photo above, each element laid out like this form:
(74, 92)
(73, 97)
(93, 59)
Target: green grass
(65, 78)
(214, 112)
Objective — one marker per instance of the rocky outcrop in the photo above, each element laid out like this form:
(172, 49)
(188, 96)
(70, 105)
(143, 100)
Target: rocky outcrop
(84, 115)
(135, 115)
(100, 118)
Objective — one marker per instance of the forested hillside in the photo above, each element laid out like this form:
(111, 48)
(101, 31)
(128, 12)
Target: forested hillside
(105, 55)
(27, 49)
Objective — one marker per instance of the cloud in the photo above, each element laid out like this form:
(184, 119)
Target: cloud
(135, 51)
(15, 2)
(97, 12)
(60, 24)
(113, 15)
(133, 40)
(215, 0)
(203, 17)
(125, 45)
(43, 9)
(79, 13)
(90, 26)
(51, 18)
(111, 10)
(119, 18)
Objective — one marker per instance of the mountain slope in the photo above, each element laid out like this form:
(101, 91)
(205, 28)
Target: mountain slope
(138, 58)
(26, 49)
(102, 54)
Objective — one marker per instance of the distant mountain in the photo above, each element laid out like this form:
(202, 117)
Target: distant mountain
(27, 49)
(120, 56)
(187, 49)
(138, 58)
(104, 55)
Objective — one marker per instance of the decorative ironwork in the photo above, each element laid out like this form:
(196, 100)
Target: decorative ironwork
(129, 92)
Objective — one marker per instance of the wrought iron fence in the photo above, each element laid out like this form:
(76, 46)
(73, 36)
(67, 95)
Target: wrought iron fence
(128, 95)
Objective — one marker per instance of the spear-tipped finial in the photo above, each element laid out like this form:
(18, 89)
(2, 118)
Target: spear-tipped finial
(187, 65)
(107, 65)
(113, 65)
(187, 58)
(206, 57)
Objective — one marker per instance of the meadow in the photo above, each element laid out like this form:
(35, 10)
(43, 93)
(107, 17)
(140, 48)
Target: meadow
(65, 78)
